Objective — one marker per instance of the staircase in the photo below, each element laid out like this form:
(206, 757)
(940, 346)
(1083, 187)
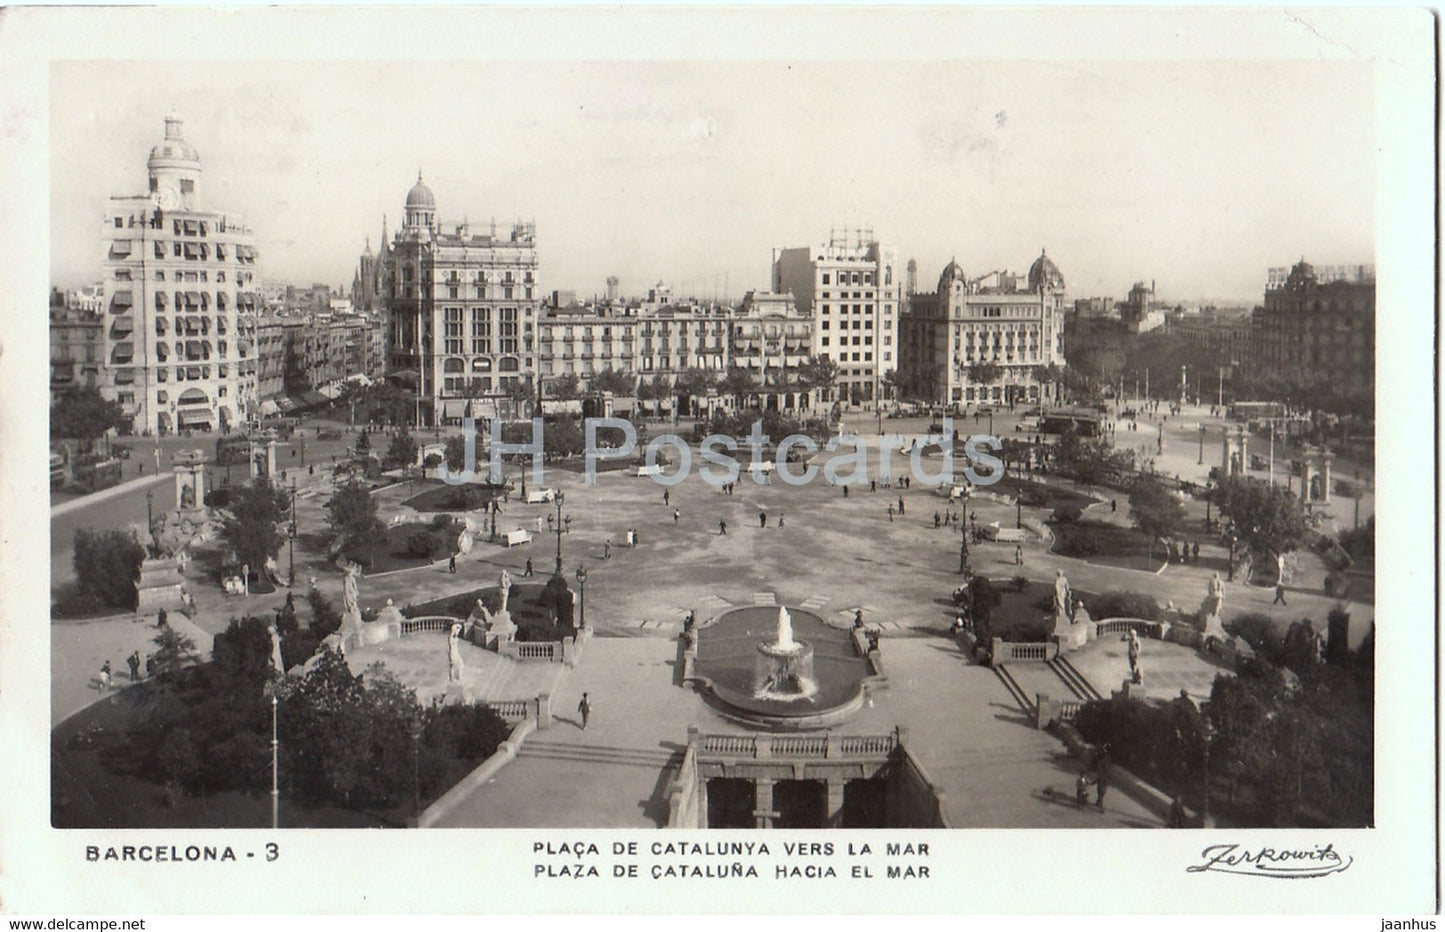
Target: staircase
(649, 758)
(1078, 684)
(1015, 690)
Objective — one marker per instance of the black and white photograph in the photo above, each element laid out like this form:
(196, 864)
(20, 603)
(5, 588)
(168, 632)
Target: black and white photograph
(768, 459)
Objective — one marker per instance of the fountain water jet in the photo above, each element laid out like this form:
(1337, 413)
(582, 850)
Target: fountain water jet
(785, 669)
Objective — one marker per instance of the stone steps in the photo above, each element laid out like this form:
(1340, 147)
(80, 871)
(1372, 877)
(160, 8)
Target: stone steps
(656, 758)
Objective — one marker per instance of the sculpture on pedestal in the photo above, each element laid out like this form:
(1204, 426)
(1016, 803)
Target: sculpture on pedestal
(276, 661)
(350, 594)
(454, 655)
(505, 583)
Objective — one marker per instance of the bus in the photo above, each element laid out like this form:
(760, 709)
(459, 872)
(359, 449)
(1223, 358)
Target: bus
(97, 474)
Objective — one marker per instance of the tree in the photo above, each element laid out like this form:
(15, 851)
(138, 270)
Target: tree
(293, 371)
(82, 414)
(1156, 511)
(984, 373)
(252, 521)
(611, 380)
(1090, 460)
(1268, 518)
(821, 373)
(174, 652)
(352, 515)
(402, 451)
(738, 382)
(363, 442)
(107, 566)
(325, 619)
(564, 387)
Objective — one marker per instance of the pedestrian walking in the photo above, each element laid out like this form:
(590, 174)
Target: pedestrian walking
(1113, 505)
(452, 563)
(1081, 789)
(900, 506)
(858, 618)
(607, 549)
(634, 537)
(873, 485)
(845, 491)
(1103, 763)
(549, 524)
(667, 496)
(567, 524)
(1194, 553)
(762, 519)
(722, 528)
(890, 514)
(676, 515)
(780, 521)
(1279, 595)
(528, 570)
(105, 676)
(1018, 554)
(133, 661)
(584, 708)
(937, 521)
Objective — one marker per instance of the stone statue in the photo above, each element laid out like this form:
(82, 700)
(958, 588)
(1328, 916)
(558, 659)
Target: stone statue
(506, 587)
(1061, 593)
(454, 655)
(188, 496)
(276, 650)
(1214, 601)
(350, 593)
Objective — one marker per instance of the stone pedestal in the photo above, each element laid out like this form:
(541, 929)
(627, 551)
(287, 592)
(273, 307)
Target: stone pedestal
(763, 812)
(263, 459)
(160, 586)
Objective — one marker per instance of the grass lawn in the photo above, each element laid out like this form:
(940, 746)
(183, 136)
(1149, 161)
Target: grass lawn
(1041, 494)
(392, 553)
(440, 496)
(1106, 545)
(530, 612)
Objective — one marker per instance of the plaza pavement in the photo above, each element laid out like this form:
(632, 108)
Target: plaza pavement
(835, 554)
(79, 648)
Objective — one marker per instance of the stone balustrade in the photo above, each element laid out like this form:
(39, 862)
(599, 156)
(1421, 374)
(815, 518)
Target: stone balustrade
(827, 746)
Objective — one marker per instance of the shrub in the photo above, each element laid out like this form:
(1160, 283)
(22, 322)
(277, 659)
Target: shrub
(107, 566)
(432, 461)
(1020, 583)
(1258, 632)
(422, 544)
(1087, 542)
(441, 522)
(325, 618)
(1119, 604)
(1067, 514)
(1158, 742)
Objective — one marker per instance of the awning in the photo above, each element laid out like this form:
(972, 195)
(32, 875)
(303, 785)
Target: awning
(330, 391)
(123, 352)
(122, 326)
(195, 417)
(120, 299)
(454, 408)
(269, 408)
(160, 300)
(287, 404)
(120, 249)
(124, 376)
(189, 226)
(193, 297)
(191, 251)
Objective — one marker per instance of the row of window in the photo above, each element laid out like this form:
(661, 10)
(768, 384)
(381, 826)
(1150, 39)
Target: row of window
(845, 278)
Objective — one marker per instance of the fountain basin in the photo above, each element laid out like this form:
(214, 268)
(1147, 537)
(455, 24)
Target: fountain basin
(817, 679)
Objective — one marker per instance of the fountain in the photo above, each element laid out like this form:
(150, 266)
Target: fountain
(785, 671)
(779, 668)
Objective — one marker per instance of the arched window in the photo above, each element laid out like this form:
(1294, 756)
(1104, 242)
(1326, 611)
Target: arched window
(481, 364)
(454, 365)
(508, 364)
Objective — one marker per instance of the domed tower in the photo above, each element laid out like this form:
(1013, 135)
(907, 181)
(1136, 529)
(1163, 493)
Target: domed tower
(175, 170)
(912, 286)
(1043, 274)
(952, 278)
(1301, 277)
(421, 207)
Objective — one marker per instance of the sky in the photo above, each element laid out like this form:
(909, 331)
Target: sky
(1198, 175)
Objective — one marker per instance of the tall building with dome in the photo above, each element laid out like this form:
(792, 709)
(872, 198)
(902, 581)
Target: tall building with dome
(462, 311)
(180, 300)
(984, 340)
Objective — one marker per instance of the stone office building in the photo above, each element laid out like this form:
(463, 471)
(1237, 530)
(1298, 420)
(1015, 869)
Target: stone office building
(462, 309)
(180, 301)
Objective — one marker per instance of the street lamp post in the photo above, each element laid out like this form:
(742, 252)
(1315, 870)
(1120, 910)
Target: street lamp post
(963, 537)
(557, 499)
(415, 768)
(291, 538)
(275, 770)
(582, 584)
(1019, 510)
(150, 515)
(1208, 737)
(1201, 445)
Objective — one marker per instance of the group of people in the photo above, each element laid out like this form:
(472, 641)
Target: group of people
(134, 662)
(631, 540)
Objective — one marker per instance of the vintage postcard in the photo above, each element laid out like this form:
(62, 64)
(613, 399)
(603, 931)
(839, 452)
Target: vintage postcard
(660, 460)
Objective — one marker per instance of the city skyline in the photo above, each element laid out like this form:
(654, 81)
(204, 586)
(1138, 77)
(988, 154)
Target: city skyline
(651, 171)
